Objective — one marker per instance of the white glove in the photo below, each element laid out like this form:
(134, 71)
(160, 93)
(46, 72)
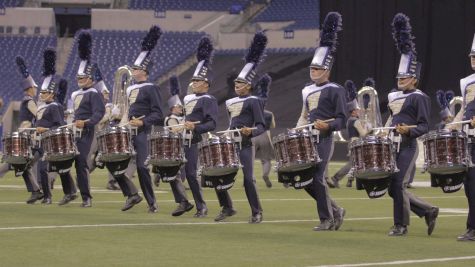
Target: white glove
(115, 113)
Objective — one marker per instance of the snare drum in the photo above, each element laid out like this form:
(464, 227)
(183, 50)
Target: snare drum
(58, 144)
(445, 152)
(113, 144)
(218, 156)
(16, 148)
(373, 157)
(165, 149)
(295, 151)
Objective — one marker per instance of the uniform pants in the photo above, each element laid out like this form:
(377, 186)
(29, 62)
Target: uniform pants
(83, 144)
(191, 155)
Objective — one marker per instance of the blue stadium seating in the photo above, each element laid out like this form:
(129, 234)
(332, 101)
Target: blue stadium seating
(305, 13)
(112, 49)
(31, 48)
(11, 3)
(198, 5)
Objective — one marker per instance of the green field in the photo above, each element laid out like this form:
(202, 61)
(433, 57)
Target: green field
(37, 235)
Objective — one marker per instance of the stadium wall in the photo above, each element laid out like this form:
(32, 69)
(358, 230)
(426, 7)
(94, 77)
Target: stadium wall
(29, 18)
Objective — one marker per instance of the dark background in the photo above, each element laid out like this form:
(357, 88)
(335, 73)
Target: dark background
(444, 31)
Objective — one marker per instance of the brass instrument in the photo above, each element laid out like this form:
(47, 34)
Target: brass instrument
(122, 80)
(369, 109)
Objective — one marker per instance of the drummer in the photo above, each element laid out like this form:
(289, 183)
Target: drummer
(50, 116)
(27, 115)
(246, 114)
(88, 111)
(176, 174)
(203, 108)
(467, 86)
(323, 100)
(408, 106)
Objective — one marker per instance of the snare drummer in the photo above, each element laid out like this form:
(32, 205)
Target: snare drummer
(27, 115)
(408, 106)
(467, 86)
(50, 116)
(88, 111)
(323, 100)
(203, 108)
(144, 111)
(245, 112)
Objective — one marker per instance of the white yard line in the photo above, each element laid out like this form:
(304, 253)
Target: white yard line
(185, 223)
(401, 262)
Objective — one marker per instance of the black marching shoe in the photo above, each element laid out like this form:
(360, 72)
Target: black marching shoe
(67, 198)
(224, 213)
(325, 225)
(469, 235)
(131, 201)
(201, 213)
(182, 208)
(153, 208)
(336, 183)
(36, 195)
(86, 203)
(398, 230)
(255, 218)
(430, 218)
(339, 217)
(46, 201)
(329, 182)
(267, 181)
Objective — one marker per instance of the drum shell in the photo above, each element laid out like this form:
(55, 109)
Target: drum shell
(373, 157)
(295, 151)
(218, 156)
(114, 144)
(16, 148)
(58, 145)
(165, 149)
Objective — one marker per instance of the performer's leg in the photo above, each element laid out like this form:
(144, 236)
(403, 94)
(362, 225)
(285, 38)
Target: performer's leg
(82, 170)
(245, 155)
(141, 147)
(191, 155)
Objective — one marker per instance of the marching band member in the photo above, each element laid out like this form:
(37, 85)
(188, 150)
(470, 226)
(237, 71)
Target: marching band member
(467, 86)
(262, 143)
(88, 111)
(173, 175)
(323, 100)
(245, 112)
(408, 106)
(27, 115)
(203, 108)
(144, 111)
(356, 127)
(50, 115)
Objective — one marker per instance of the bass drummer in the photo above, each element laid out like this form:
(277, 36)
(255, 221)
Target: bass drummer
(408, 106)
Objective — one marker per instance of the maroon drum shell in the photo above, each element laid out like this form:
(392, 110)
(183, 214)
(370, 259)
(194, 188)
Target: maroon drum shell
(445, 152)
(372, 157)
(58, 144)
(16, 148)
(165, 149)
(294, 151)
(218, 157)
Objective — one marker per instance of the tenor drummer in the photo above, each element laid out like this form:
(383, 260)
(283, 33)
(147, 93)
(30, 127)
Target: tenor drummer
(50, 116)
(27, 115)
(88, 111)
(324, 100)
(246, 114)
(144, 111)
(408, 106)
(203, 108)
(176, 174)
(467, 86)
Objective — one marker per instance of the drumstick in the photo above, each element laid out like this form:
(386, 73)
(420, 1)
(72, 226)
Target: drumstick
(69, 125)
(459, 122)
(181, 124)
(394, 127)
(235, 130)
(311, 124)
(26, 129)
(127, 123)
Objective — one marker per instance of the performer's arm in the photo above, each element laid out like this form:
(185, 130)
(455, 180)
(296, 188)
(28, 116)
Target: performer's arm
(423, 113)
(258, 116)
(210, 112)
(339, 100)
(98, 110)
(155, 117)
(361, 128)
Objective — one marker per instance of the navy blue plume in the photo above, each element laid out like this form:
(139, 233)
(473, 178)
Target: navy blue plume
(263, 86)
(256, 51)
(441, 100)
(150, 40)
(20, 62)
(174, 85)
(49, 62)
(402, 34)
(329, 33)
(369, 82)
(62, 91)
(366, 99)
(449, 95)
(97, 73)
(351, 90)
(85, 45)
(205, 50)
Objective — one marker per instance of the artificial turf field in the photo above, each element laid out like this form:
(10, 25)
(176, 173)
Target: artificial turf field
(38, 235)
